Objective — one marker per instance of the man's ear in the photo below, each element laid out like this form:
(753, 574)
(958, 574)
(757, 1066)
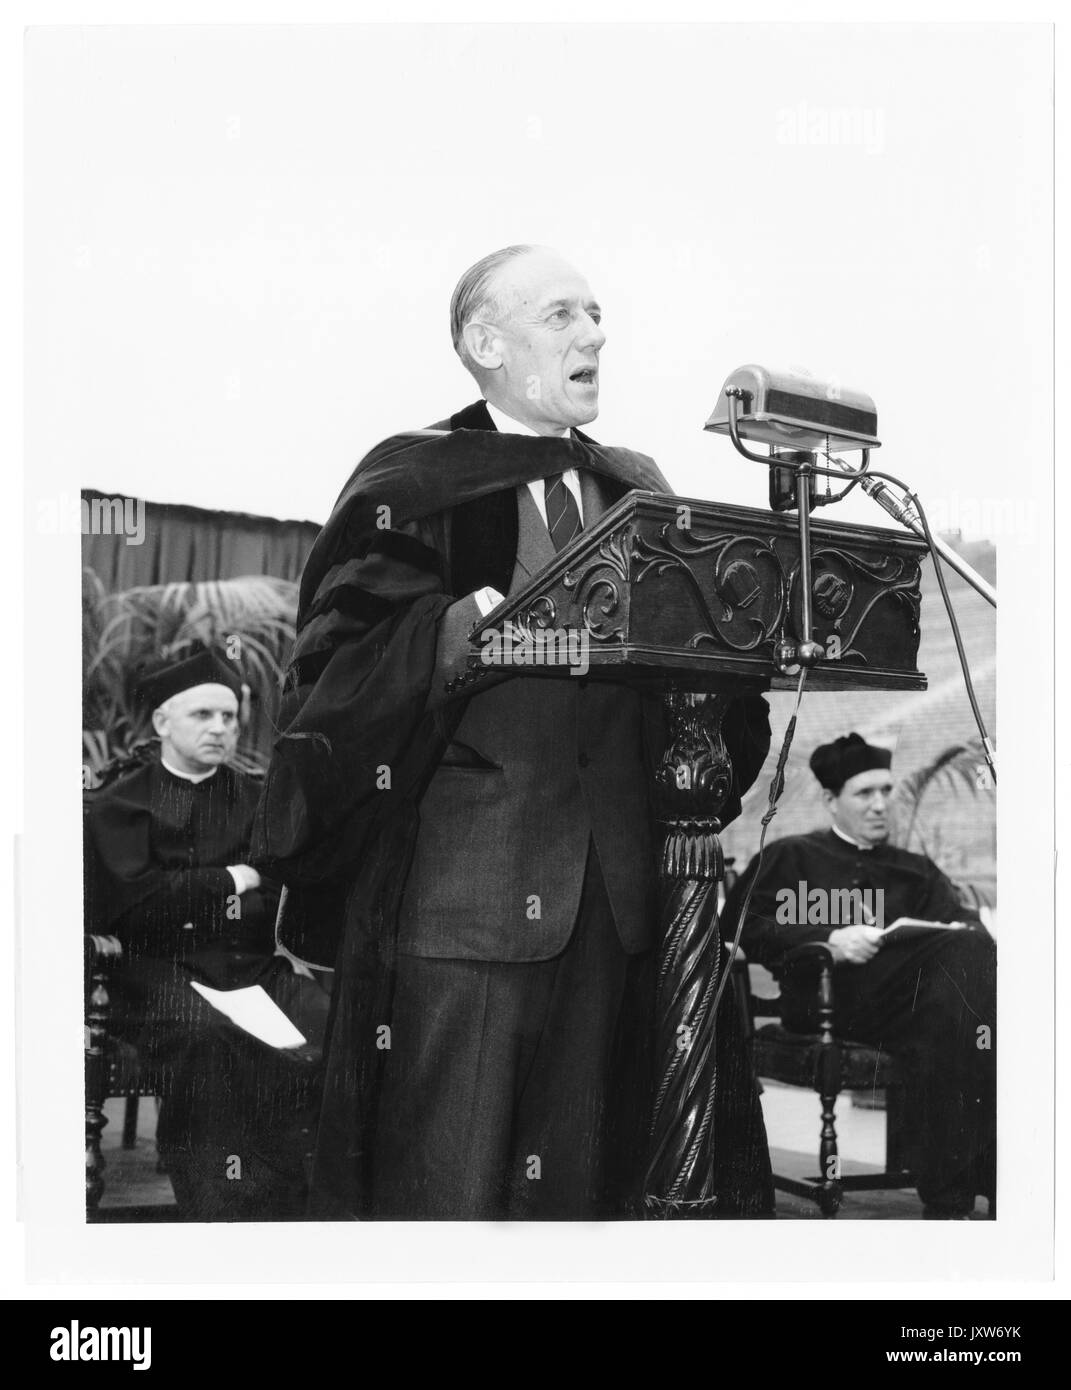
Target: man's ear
(829, 799)
(159, 721)
(483, 345)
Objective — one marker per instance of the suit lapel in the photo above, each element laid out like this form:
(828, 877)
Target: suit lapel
(596, 495)
(535, 549)
(500, 539)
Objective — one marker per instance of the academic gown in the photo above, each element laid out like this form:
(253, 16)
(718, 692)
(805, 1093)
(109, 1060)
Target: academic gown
(427, 518)
(930, 1001)
(160, 846)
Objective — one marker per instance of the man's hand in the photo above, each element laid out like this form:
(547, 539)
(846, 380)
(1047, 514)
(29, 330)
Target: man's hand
(855, 945)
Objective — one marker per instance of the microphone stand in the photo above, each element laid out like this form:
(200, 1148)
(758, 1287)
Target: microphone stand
(900, 509)
(789, 657)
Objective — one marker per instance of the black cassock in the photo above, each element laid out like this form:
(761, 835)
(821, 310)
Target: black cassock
(930, 1001)
(161, 845)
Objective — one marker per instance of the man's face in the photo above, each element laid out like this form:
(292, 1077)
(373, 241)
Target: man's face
(861, 806)
(543, 362)
(198, 728)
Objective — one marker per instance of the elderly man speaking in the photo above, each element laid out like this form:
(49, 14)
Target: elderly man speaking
(485, 853)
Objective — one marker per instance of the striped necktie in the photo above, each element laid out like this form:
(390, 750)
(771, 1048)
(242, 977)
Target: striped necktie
(563, 515)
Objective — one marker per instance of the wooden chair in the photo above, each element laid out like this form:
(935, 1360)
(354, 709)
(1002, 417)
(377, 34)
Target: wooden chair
(827, 1064)
(112, 1067)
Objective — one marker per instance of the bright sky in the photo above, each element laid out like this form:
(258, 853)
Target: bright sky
(242, 242)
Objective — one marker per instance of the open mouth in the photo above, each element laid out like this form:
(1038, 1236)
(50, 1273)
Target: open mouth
(586, 376)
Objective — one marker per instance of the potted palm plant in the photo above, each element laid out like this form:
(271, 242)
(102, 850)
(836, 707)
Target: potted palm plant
(248, 620)
(946, 810)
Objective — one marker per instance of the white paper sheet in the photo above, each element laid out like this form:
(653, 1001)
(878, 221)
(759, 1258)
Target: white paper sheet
(255, 1011)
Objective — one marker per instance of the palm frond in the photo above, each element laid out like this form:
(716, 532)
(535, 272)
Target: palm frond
(252, 617)
(956, 766)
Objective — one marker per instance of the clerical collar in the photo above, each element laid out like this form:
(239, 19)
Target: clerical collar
(193, 777)
(848, 839)
(506, 424)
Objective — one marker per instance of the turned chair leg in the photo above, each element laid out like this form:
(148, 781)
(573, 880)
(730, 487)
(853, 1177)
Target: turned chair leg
(896, 1156)
(130, 1122)
(827, 1084)
(99, 951)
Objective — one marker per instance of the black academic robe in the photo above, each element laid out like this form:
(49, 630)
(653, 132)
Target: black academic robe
(930, 1001)
(426, 518)
(159, 849)
(164, 844)
(911, 886)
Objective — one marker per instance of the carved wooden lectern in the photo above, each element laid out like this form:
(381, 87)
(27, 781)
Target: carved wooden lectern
(703, 602)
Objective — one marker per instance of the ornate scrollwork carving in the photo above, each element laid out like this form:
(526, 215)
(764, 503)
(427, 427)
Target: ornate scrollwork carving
(835, 591)
(597, 587)
(542, 612)
(694, 775)
(736, 582)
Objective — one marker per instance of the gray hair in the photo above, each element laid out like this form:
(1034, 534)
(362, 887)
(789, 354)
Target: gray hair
(474, 295)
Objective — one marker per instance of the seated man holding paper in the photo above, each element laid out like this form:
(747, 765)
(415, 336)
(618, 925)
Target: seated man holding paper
(923, 990)
(171, 839)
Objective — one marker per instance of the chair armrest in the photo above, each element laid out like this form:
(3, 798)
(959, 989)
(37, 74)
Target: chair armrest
(818, 955)
(820, 952)
(99, 955)
(102, 948)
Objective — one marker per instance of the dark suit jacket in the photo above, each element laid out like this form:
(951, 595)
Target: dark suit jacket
(537, 768)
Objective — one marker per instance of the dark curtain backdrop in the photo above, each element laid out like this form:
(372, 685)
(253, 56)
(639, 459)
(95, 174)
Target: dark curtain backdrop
(187, 544)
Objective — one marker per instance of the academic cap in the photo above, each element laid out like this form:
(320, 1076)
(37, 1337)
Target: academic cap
(835, 762)
(155, 686)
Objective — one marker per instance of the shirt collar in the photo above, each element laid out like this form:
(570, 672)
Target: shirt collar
(848, 839)
(506, 424)
(193, 777)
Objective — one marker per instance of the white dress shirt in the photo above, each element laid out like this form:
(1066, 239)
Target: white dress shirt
(488, 598)
(505, 424)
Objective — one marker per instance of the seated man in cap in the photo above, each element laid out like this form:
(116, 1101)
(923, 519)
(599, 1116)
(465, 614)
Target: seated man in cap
(171, 842)
(929, 999)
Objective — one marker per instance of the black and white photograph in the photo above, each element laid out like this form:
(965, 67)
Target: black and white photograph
(534, 497)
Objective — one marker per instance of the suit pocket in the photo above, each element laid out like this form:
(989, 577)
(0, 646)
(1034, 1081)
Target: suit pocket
(462, 757)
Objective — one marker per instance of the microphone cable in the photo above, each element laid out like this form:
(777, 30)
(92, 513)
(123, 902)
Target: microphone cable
(777, 786)
(987, 746)
(905, 517)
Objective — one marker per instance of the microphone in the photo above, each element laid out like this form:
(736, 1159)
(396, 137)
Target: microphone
(799, 416)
